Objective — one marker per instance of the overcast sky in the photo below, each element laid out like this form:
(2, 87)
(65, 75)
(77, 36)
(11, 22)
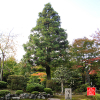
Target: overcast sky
(79, 17)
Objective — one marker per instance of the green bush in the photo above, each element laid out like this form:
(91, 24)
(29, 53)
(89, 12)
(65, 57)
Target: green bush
(3, 84)
(17, 82)
(30, 88)
(35, 92)
(48, 90)
(97, 96)
(4, 92)
(55, 86)
(34, 87)
(49, 84)
(82, 88)
(19, 92)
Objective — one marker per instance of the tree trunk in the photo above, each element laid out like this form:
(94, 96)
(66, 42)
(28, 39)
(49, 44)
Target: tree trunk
(83, 75)
(48, 73)
(62, 87)
(83, 79)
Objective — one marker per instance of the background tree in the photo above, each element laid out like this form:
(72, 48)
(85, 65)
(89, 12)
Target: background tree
(83, 49)
(48, 44)
(62, 74)
(7, 47)
(8, 69)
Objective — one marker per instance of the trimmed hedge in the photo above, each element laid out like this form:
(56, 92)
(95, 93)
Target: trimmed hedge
(19, 92)
(34, 87)
(3, 84)
(4, 92)
(48, 90)
(17, 82)
(35, 92)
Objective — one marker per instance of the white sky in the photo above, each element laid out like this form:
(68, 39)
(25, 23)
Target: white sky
(80, 17)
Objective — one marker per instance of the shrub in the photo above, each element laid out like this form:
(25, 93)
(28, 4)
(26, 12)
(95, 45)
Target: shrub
(48, 90)
(35, 92)
(97, 96)
(4, 92)
(17, 82)
(49, 84)
(19, 92)
(3, 84)
(34, 87)
(82, 88)
(30, 88)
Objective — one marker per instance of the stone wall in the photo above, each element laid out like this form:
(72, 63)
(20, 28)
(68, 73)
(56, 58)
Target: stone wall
(26, 96)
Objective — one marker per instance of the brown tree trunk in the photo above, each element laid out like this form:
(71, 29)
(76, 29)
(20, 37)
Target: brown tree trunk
(61, 87)
(48, 73)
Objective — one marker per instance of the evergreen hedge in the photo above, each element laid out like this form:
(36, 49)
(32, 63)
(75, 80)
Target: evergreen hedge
(17, 82)
(3, 84)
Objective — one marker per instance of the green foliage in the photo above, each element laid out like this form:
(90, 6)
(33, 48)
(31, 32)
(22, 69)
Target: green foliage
(49, 83)
(97, 96)
(34, 87)
(62, 74)
(30, 88)
(82, 88)
(33, 79)
(35, 92)
(48, 43)
(17, 82)
(19, 92)
(38, 68)
(4, 92)
(53, 85)
(8, 67)
(48, 90)
(3, 84)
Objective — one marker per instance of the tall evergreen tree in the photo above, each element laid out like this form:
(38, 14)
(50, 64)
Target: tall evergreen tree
(48, 42)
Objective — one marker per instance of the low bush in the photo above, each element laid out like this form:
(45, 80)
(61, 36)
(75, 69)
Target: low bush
(34, 87)
(19, 92)
(3, 84)
(97, 96)
(4, 92)
(48, 90)
(82, 88)
(55, 86)
(17, 82)
(30, 88)
(35, 92)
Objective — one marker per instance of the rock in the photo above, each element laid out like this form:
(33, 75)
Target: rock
(24, 95)
(27, 95)
(51, 96)
(42, 97)
(45, 95)
(13, 95)
(18, 98)
(48, 95)
(32, 96)
(38, 96)
(7, 97)
(2, 98)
